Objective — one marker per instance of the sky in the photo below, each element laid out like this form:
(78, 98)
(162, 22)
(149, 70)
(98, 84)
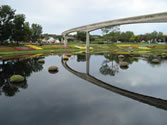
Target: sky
(56, 16)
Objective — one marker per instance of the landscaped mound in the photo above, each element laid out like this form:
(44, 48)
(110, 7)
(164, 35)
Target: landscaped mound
(121, 56)
(65, 58)
(156, 61)
(41, 61)
(53, 69)
(16, 79)
(124, 65)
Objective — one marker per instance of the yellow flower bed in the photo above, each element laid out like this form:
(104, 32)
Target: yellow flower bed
(143, 48)
(34, 47)
(134, 46)
(128, 45)
(80, 47)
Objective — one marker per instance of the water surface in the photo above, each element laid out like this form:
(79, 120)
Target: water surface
(64, 98)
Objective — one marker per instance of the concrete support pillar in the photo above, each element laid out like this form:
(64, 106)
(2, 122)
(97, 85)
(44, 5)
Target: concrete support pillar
(64, 39)
(87, 63)
(87, 42)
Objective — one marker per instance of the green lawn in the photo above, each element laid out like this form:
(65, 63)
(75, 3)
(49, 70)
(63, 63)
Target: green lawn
(97, 48)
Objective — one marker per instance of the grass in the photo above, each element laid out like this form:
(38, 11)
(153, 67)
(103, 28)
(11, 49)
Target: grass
(124, 48)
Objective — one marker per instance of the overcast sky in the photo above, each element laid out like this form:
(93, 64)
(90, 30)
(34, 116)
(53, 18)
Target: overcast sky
(55, 16)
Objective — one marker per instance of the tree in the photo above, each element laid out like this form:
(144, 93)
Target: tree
(109, 29)
(81, 36)
(27, 32)
(6, 18)
(132, 38)
(36, 32)
(18, 27)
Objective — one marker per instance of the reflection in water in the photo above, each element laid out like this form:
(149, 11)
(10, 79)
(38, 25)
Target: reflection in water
(157, 102)
(109, 69)
(81, 58)
(15, 66)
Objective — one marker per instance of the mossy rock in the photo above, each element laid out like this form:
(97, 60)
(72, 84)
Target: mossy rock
(123, 64)
(121, 56)
(65, 58)
(16, 79)
(53, 69)
(41, 61)
(156, 61)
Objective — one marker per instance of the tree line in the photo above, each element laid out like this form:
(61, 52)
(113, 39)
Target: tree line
(13, 27)
(129, 36)
(113, 34)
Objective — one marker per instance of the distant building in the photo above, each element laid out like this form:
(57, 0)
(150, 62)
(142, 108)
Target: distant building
(51, 40)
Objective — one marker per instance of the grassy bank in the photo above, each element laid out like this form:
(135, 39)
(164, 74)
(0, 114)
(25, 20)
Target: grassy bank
(123, 48)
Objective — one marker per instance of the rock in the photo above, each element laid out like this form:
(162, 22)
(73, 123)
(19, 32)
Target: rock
(41, 61)
(123, 64)
(121, 56)
(16, 78)
(156, 61)
(53, 69)
(65, 58)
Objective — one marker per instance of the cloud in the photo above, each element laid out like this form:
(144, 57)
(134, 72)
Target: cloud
(58, 15)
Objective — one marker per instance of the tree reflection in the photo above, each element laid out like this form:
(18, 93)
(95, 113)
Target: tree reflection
(151, 57)
(110, 66)
(81, 58)
(109, 69)
(15, 66)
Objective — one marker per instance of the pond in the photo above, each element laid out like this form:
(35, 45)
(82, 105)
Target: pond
(87, 90)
